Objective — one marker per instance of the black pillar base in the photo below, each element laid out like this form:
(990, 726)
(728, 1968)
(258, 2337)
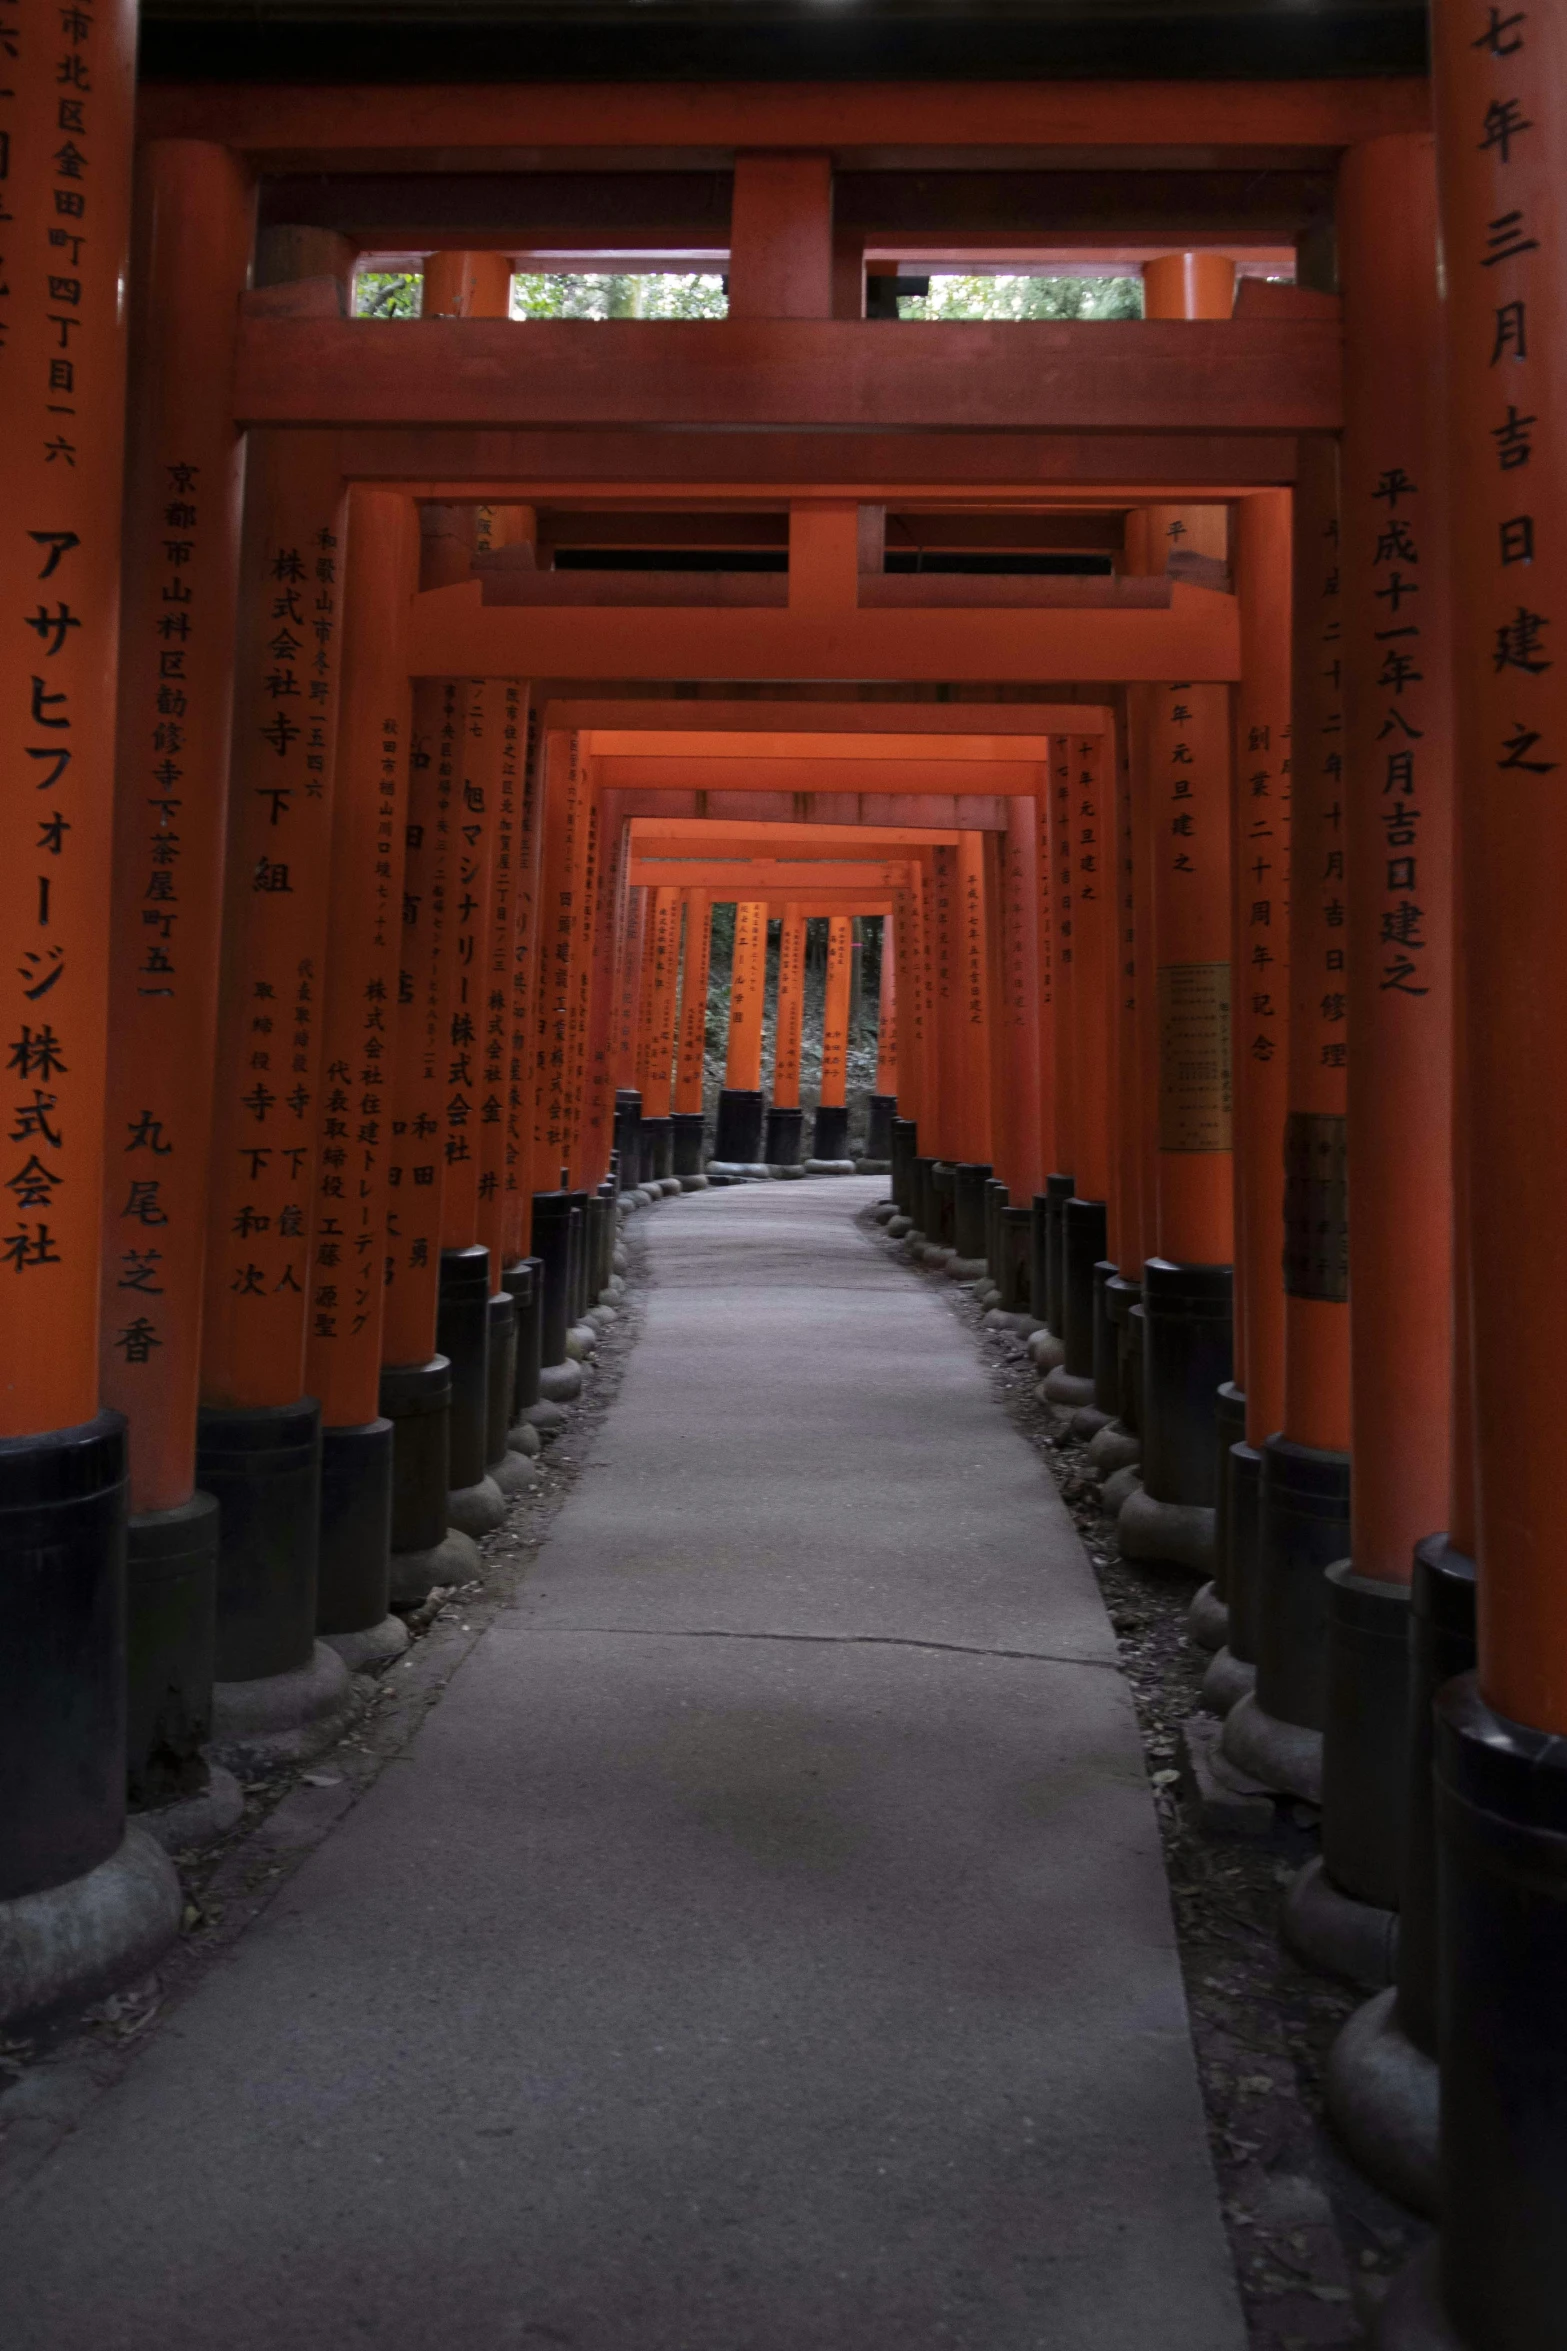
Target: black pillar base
(922, 1195)
(785, 1134)
(628, 1124)
(1187, 1353)
(1082, 1247)
(262, 1464)
(1121, 1297)
(1207, 1623)
(1303, 1528)
(354, 1596)
(552, 1247)
(969, 1179)
(171, 1593)
(830, 1131)
(1059, 1189)
(523, 1284)
(603, 1225)
(903, 1143)
(688, 1128)
(996, 1197)
(737, 1137)
(426, 1550)
(658, 1149)
(509, 1471)
(943, 1201)
(1233, 1674)
(576, 1257)
(462, 1333)
(1106, 1345)
(880, 1111)
(1501, 1810)
(1014, 1271)
(62, 1663)
(1344, 1921)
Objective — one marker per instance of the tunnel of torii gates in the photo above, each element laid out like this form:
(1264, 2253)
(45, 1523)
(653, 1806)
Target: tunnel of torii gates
(358, 867)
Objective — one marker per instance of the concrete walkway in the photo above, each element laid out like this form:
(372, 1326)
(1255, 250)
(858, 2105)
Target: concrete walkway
(764, 1946)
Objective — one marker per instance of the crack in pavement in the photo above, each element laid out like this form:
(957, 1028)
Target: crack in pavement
(828, 1641)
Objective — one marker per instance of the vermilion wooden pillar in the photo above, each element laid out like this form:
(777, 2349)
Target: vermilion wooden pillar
(347, 1283)
(182, 501)
(662, 1006)
(1500, 2275)
(887, 1016)
(830, 1138)
(260, 1440)
(691, 1051)
(64, 1852)
(1398, 854)
(1187, 1282)
(1084, 803)
(1303, 1495)
(974, 918)
(628, 1019)
(471, 1310)
(1016, 1004)
(739, 1136)
(784, 1116)
(1251, 1409)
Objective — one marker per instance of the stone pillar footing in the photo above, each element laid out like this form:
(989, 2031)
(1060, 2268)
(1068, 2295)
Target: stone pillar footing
(76, 1942)
(1384, 2098)
(1338, 1936)
(372, 1647)
(1069, 1391)
(1226, 1682)
(187, 1823)
(1171, 1534)
(1283, 1756)
(477, 1509)
(1207, 1619)
(281, 1717)
(560, 1383)
(415, 1574)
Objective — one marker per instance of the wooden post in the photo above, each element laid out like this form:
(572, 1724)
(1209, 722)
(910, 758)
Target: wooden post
(1187, 1283)
(347, 1284)
(1303, 1500)
(260, 1440)
(1500, 2274)
(63, 1844)
(1399, 881)
(739, 1137)
(1086, 834)
(691, 1058)
(1260, 839)
(830, 1138)
(784, 1116)
(184, 475)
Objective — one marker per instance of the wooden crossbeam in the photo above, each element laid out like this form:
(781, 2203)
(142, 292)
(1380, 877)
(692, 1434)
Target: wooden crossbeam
(451, 632)
(1267, 375)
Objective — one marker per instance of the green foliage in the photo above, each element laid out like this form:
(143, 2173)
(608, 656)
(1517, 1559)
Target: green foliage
(399, 293)
(1024, 297)
(388, 293)
(590, 294)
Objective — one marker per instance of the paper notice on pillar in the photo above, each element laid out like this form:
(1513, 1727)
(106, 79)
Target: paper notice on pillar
(1194, 1057)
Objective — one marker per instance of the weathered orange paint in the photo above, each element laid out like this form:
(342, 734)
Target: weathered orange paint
(657, 1095)
(359, 999)
(193, 235)
(1316, 1327)
(835, 1014)
(275, 922)
(748, 974)
(1398, 846)
(696, 953)
(787, 1019)
(887, 1014)
(1260, 952)
(1058, 862)
(1504, 310)
(62, 394)
(1091, 848)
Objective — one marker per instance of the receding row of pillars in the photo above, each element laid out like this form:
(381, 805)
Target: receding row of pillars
(314, 1097)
